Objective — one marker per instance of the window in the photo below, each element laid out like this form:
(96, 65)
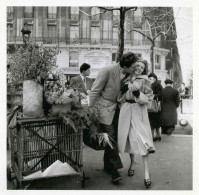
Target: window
(28, 13)
(95, 35)
(74, 59)
(127, 26)
(114, 55)
(74, 13)
(74, 32)
(95, 11)
(115, 33)
(157, 62)
(10, 12)
(116, 15)
(138, 15)
(115, 36)
(158, 41)
(137, 37)
(107, 29)
(52, 12)
(10, 32)
(85, 29)
(51, 31)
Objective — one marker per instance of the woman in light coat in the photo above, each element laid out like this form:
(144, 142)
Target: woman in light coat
(134, 132)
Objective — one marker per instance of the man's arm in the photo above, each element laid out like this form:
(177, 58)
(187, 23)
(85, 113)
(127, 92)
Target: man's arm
(98, 86)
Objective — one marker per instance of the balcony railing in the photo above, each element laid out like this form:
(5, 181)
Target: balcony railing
(74, 16)
(10, 15)
(52, 15)
(28, 15)
(78, 41)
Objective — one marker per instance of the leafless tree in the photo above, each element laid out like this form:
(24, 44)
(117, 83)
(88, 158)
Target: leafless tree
(160, 21)
(122, 16)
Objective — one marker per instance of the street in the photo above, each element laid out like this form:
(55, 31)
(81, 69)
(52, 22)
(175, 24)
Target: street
(170, 167)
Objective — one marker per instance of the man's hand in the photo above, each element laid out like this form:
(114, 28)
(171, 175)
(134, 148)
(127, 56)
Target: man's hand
(106, 140)
(124, 89)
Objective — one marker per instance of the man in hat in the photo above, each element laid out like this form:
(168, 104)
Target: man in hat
(170, 103)
(82, 82)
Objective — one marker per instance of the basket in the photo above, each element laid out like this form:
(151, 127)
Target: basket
(42, 142)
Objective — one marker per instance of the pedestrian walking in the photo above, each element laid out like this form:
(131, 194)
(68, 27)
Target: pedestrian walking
(170, 103)
(155, 117)
(134, 132)
(104, 92)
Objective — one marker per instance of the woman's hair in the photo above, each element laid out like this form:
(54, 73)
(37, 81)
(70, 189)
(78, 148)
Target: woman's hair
(145, 72)
(128, 59)
(153, 75)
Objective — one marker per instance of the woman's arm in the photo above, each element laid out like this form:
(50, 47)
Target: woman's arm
(146, 94)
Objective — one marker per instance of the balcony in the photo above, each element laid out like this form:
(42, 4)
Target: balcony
(74, 41)
(52, 15)
(95, 41)
(28, 15)
(10, 15)
(78, 41)
(74, 16)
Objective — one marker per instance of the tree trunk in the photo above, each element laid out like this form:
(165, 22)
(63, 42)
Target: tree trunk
(120, 49)
(152, 56)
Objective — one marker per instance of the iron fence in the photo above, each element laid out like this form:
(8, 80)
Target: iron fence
(81, 41)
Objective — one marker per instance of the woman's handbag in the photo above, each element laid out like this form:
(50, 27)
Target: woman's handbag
(153, 106)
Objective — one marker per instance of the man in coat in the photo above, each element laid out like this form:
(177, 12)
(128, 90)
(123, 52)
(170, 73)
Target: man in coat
(81, 82)
(170, 103)
(104, 93)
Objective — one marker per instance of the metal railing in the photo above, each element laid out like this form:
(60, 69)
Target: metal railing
(28, 15)
(79, 41)
(10, 15)
(52, 15)
(74, 16)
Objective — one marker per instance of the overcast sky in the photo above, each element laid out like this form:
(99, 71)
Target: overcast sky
(184, 25)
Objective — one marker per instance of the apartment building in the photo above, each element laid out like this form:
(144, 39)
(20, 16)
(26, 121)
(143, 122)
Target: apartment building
(81, 35)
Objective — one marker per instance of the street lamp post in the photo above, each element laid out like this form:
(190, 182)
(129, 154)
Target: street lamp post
(25, 33)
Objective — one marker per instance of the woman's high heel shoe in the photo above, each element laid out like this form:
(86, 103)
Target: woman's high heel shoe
(158, 138)
(131, 171)
(147, 183)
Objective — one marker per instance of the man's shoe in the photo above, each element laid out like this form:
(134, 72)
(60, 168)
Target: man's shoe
(108, 171)
(116, 177)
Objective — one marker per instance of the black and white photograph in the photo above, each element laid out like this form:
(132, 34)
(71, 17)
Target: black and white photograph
(99, 96)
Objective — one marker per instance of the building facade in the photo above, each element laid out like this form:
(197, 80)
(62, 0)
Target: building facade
(80, 37)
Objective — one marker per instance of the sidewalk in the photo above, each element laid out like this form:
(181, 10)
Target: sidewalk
(170, 167)
(188, 129)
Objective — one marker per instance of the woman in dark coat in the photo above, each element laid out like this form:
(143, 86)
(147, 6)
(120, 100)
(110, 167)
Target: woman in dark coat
(155, 117)
(170, 103)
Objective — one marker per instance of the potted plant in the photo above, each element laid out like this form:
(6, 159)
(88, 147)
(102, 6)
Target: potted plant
(31, 64)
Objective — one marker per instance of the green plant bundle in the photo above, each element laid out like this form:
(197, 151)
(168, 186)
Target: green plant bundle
(31, 62)
(87, 119)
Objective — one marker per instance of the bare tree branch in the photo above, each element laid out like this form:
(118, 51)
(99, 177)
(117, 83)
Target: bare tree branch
(90, 15)
(131, 8)
(109, 9)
